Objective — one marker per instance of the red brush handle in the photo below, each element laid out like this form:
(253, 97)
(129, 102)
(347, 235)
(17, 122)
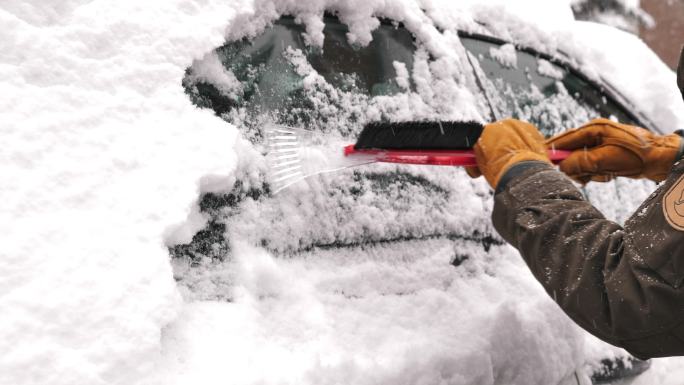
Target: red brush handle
(432, 157)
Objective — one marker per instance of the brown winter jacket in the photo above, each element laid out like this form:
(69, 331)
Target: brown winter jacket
(624, 285)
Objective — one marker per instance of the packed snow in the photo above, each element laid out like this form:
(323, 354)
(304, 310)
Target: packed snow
(506, 55)
(545, 68)
(211, 70)
(102, 156)
(383, 274)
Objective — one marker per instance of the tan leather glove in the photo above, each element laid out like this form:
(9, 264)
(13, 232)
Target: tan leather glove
(603, 149)
(502, 145)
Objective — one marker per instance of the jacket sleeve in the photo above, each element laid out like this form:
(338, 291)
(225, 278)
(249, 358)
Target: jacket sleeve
(624, 285)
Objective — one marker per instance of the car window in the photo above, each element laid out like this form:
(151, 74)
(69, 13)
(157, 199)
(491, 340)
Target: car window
(530, 88)
(370, 68)
(266, 76)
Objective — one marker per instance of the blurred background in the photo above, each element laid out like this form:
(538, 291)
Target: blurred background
(660, 23)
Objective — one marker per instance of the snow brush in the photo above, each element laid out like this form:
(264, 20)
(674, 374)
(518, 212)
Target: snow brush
(295, 154)
(424, 143)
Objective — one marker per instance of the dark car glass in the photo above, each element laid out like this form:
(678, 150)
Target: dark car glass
(271, 85)
(372, 66)
(552, 98)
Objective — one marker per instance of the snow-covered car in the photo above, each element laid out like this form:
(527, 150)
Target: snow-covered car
(394, 272)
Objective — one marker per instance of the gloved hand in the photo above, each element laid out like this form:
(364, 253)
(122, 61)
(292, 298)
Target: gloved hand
(604, 149)
(503, 144)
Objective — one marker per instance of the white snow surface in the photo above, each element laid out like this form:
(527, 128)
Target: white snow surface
(101, 155)
(104, 158)
(211, 70)
(505, 55)
(545, 68)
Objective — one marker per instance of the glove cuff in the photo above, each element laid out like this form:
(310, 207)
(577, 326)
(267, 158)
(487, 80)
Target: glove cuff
(518, 157)
(666, 152)
(519, 169)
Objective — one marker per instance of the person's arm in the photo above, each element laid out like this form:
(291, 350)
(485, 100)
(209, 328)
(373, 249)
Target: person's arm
(622, 285)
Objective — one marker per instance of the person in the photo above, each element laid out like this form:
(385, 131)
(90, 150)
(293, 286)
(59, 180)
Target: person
(625, 284)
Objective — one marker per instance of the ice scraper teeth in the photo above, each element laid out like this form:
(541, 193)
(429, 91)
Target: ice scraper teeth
(294, 154)
(427, 143)
(283, 156)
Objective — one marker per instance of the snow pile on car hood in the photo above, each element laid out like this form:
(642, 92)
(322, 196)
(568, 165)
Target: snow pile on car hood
(103, 155)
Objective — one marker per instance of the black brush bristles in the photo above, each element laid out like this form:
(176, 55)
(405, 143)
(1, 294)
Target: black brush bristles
(419, 136)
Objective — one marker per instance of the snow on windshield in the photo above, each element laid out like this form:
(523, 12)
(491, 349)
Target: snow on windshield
(105, 159)
(211, 70)
(505, 55)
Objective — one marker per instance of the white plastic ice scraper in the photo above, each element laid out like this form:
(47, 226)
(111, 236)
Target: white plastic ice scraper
(294, 154)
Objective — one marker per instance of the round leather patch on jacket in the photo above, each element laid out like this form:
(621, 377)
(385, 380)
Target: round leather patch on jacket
(673, 205)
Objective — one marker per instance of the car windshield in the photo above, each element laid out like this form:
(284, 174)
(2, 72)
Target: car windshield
(529, 87)
(266, 76)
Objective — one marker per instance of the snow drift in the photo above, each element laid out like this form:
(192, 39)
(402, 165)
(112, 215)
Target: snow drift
(104, 158)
